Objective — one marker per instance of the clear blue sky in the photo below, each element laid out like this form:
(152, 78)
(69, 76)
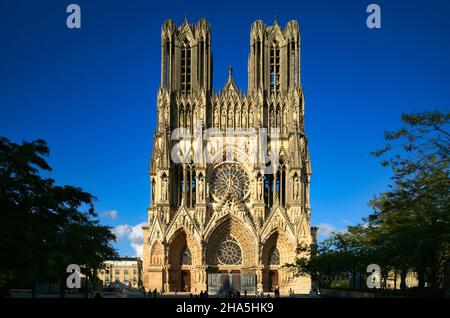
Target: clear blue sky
(91, 93)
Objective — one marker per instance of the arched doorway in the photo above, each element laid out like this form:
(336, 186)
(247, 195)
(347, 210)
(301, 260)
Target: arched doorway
(231, 246)
(182, 255)
(276, 252)
(231, 253)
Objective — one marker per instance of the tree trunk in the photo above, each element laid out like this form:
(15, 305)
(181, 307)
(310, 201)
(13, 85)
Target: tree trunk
(86, 287)
(403, 273)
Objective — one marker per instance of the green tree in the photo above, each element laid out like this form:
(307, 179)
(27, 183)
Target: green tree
(414, 215)
(409, 228)
(45, 227)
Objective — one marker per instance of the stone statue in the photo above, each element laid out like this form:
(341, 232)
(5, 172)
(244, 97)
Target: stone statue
(164, 188)
(296, 188)
(224, 119)
(216, 118)
(200, 188)
(188, 119)
(153, 191)
(181, 119)
(250, 118)
(260, 188)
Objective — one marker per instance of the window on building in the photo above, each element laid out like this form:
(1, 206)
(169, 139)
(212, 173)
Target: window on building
(275, 67)
(201, 62)
(167, 64)
(185, 67)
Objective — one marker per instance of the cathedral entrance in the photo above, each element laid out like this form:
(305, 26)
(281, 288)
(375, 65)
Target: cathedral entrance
(273, 280)
(222, 283)
(185, 281)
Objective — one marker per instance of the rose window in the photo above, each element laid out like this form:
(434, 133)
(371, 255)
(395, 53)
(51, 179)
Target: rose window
(229, 252)
(230, 179)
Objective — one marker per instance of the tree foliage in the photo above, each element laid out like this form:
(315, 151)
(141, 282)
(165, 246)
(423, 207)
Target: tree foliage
(409, 228)
(44, 227)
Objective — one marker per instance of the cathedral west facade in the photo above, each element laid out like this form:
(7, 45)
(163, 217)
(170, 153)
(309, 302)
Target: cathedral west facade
(229, 173)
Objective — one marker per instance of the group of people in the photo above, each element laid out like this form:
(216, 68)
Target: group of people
(232, 293)
(153, 293)
(203, 294)
(276, 293)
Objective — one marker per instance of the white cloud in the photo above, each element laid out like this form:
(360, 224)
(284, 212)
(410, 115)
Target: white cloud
(326, 230)
(121, 231)
(112, 214)
(134, 234)
(138, 248)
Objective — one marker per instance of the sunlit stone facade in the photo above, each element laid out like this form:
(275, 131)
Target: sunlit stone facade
(231, 195)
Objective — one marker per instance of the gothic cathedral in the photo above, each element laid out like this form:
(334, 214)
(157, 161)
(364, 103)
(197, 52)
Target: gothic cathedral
(229, 172)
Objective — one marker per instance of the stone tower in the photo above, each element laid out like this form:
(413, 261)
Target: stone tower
(229, 172)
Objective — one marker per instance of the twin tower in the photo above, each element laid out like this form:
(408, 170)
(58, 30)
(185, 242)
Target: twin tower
(273, 65)
(230, 194)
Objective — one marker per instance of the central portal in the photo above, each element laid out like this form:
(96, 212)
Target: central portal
(222, 283)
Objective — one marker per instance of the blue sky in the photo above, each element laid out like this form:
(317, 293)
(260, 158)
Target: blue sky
(91, 93)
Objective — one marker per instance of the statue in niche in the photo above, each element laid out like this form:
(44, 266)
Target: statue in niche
(307, 193)
(302, 145)
(244, 120)
(153, 190)
(250, 118)
(194, 118)
(216, 118)
(230, 120)
(278, 122)
(188, 119)
(296, 188)
(181, 118)
(164, 188)
(260, 188)
(272, 119)
(200, 187)
(237, 120)
(224, 119)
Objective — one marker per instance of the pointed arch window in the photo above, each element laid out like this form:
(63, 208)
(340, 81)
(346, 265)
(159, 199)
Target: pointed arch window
(275, 67)
(185, 67)
(294, 63)
(258, 63)
(201, 62)
(281, 183)
(268, 187)
(167, 63)
(190, 185)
